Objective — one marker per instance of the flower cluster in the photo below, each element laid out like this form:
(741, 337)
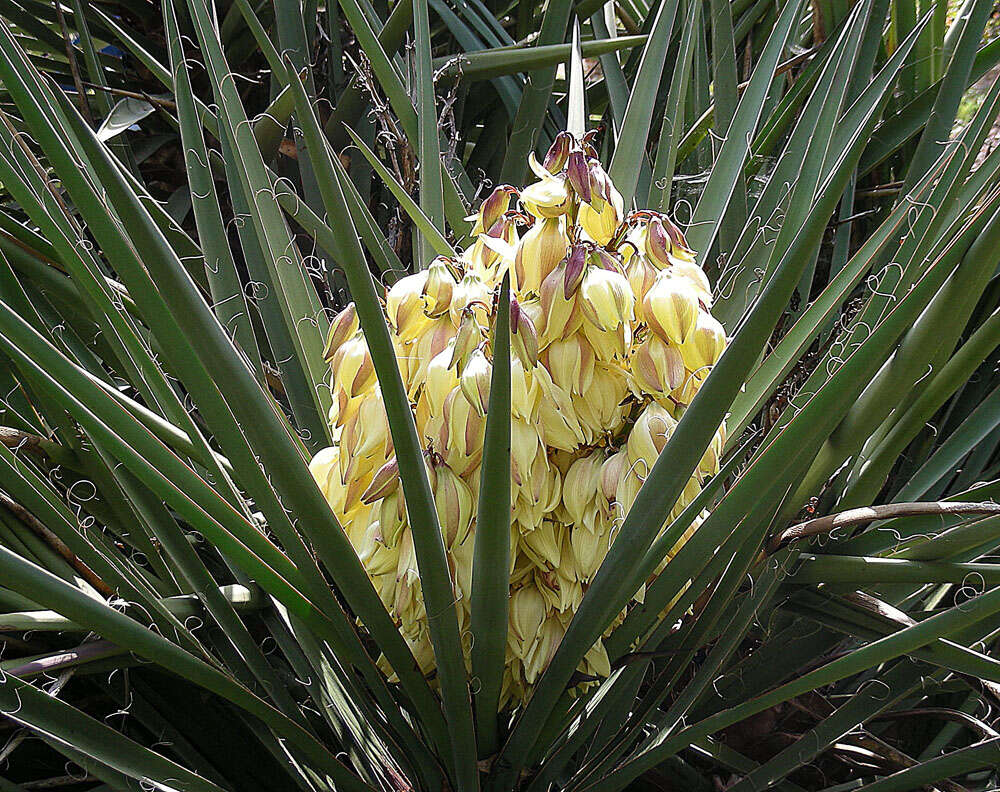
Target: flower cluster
(611, 337)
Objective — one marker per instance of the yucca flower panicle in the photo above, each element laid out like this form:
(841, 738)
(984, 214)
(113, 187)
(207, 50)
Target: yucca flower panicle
(611, 336)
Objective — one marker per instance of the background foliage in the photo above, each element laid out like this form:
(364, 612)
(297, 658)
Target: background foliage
(190, 191)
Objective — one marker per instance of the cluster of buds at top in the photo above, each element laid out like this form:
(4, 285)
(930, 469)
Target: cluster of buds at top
(611, 337)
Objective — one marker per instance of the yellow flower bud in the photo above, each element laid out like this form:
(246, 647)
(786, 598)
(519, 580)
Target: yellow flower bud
(492, 209)
(523, 335)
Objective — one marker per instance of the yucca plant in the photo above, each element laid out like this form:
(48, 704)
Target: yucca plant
(503, 396)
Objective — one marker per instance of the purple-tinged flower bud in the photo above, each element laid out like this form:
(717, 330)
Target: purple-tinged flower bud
(657, 243)
(556, 156)
(493, 208)
(524, 336)
(578, 175)
(576, 263)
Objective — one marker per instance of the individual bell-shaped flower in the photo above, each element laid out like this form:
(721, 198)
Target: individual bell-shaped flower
(441, 379)
(409, 604)
(600, 219)
(525, 392)
(475, 380)
(523, 335)
(438, 287)
(695, 274)
(541, 248)
(570, 361)
(525, 447)
(325, 470)
(404, 306)
(471, 295)
(463, 431)
(641, 276)
(561, 586)
(383, 483)
(433, 340)
(559, 420)
(657, 367)
(343, 327)
(606, 298)
(581, 487)
(561, 316)
(493, 248)
(391, 515)
(377, 557)
(548, 197)
(601, 407)
(527, 614)
(496, 205)
(461, 557)
(453, 499)
(670, 308)
(544, 544)
(613, 470)
(352, 367)
(706, 343)
(650, 434)
(590, 546)
(555, 158)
